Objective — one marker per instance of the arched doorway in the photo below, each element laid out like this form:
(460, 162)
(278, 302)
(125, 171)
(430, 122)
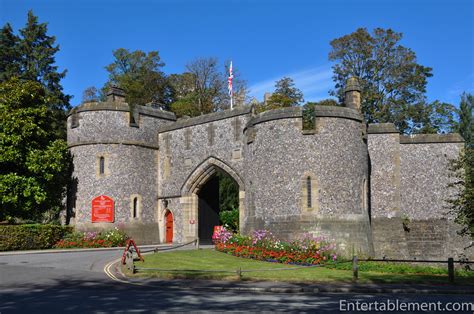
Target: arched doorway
(218, 205)
(169, 227)
(201, 202)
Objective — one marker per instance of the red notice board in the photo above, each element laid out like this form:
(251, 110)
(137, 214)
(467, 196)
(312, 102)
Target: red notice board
(103, 209)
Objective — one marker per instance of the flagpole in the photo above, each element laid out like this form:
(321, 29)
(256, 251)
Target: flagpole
(231, 94)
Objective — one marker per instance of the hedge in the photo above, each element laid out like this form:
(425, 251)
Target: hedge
(31, 237)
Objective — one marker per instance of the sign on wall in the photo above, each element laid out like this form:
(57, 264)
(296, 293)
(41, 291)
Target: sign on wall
(103, 209)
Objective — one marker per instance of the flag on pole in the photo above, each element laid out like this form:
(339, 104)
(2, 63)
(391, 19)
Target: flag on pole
(229, 80)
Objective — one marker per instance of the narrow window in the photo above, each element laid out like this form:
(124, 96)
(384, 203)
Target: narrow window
(308, 189)
(135, 207)
(101, 165)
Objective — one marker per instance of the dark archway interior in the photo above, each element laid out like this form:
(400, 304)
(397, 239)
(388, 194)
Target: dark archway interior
(219, 195)
(208, 213)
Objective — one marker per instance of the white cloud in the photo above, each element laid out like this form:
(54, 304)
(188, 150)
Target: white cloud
(314, 83)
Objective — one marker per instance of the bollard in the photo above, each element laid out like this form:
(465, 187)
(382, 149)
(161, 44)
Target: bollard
(451, 270)
(239, 273)
(129, 260)
(355, 268)
(197, 243)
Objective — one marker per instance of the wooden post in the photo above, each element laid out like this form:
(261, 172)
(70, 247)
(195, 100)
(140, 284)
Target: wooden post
(355, 268)
(239, 273)
(451, 270)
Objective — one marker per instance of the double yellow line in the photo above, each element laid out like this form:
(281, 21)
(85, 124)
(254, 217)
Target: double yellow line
(109, 273)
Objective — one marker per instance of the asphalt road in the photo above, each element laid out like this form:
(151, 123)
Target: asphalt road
(76, 282)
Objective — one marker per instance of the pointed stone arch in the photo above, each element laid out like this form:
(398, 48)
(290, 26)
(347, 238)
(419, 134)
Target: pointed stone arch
(206, 170)
(193, 184)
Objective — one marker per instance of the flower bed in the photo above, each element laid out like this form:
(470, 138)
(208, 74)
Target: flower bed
(262, 245)
(110, 238)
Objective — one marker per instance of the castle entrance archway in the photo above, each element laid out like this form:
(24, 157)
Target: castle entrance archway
(201, 201)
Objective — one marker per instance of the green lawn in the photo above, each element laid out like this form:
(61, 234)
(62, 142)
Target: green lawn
(193, 263)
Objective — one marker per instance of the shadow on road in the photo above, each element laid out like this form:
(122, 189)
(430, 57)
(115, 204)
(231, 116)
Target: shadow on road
(82, 295)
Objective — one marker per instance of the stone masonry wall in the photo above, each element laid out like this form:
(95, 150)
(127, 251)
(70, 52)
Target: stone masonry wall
(281, 156)
(131, 166)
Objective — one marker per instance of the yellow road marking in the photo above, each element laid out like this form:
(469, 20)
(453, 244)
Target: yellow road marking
(109, 273)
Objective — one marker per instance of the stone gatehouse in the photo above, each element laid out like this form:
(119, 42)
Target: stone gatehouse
(372, 190)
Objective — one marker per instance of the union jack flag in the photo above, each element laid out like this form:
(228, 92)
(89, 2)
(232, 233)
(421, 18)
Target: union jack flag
(229, 80)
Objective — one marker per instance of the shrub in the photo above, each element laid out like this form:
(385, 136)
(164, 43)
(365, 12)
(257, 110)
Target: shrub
(110, 238)
(31, 237)
(230, 219)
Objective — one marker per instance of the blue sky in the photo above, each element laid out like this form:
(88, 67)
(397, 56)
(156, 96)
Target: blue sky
(265, 39)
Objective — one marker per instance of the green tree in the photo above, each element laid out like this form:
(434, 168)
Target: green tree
(285, 95)
(9, 53)
(203, 88)
(33, 162)
(140, 75)
(435, 117)
(37, 50)
(309, 111)
(228, 201)
(90, 94)
(393, 83)
(466, 121)
(30, 56)
(462, 202)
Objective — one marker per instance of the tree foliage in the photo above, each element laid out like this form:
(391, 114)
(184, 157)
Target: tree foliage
(466, 121)
(140, 75)
(91, 94)
(228, 201)
(285, 95)
(33, 163)
(30, 56)
(203, 88)
(462, 202)
(393, 83)
(9, 53)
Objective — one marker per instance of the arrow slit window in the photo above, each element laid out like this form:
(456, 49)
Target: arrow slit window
(101, 165)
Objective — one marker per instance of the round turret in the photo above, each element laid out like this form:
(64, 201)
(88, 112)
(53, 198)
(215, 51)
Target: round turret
(115, 153)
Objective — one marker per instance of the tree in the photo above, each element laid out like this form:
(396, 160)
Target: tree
(91, 94)
(323, 102)
(462, 202)
(285, 95)
(228, 201)
(466, 121)
(140, 75)
(203, 88)
(30, 56)
(393, 83)
(37, 51)
(33, 163)
(208, 84)
(9, 54)
(435, 117)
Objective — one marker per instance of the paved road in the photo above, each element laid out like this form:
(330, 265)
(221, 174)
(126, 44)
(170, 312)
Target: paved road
(75, 282)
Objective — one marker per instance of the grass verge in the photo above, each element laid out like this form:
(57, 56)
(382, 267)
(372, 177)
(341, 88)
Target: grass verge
(193, 264)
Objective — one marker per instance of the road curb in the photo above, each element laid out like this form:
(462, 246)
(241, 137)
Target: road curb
(118, 248)
(309, 289)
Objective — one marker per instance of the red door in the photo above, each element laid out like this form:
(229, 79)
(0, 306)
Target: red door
(169, 227)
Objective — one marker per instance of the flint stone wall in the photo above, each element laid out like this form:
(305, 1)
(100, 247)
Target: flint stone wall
(280, 156)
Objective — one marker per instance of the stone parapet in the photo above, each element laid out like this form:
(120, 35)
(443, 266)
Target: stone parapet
(296, 112)
(431, 138)
(382, 128)
(207, 118)
(117, 106)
